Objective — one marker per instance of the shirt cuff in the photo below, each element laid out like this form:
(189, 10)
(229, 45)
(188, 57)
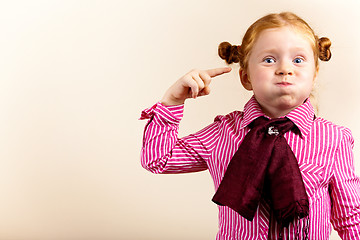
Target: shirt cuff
(171, 114)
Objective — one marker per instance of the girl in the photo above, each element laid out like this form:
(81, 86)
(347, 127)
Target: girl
(279, 63)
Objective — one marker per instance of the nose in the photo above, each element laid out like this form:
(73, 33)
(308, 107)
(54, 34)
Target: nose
(284, 69)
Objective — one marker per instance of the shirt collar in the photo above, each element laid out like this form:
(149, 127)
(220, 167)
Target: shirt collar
(302, 116)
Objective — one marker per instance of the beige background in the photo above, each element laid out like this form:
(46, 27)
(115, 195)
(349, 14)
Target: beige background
(74, 77)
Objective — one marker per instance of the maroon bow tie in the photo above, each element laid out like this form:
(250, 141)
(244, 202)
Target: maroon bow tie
(265, 166)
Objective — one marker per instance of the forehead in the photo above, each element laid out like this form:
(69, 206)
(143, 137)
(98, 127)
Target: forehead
(283, 38)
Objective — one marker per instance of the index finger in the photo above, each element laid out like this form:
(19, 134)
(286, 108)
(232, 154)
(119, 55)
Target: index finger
(218, 71)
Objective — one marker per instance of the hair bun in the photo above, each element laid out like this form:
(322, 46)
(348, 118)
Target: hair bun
(229, 53)
(324, 49)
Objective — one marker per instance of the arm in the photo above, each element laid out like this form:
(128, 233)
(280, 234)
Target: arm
(345, 191)
(164, 152)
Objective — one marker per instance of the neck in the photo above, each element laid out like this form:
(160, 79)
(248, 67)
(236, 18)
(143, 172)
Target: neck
(275, 113)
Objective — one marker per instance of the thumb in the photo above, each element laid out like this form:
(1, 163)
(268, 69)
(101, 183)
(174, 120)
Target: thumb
(205, 91)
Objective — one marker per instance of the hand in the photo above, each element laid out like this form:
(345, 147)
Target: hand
(191, 85)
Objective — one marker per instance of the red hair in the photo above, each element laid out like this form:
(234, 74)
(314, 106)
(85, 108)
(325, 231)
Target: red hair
(234, 54)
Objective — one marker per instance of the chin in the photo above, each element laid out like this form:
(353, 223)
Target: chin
(289, 103)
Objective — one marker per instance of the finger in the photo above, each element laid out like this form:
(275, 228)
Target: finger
(199, 81)
(218, 71)
(194, 87)
(205, 77)
(205, 91)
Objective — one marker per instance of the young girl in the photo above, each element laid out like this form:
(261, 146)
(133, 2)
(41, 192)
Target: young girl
(279, 62)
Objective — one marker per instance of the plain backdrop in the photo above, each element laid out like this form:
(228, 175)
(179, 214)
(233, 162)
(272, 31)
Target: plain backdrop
(74, 78)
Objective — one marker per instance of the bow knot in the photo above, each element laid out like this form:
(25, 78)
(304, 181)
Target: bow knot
(264, 166)
(277, 126)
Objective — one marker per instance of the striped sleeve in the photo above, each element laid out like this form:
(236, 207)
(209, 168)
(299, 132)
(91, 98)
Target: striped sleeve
(163, 152)
(345, 191)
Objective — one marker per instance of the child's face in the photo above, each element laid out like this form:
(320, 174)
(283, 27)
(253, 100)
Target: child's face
(281, 70)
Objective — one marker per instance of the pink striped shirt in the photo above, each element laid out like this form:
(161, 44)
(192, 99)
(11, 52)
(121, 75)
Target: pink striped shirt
(323, 151)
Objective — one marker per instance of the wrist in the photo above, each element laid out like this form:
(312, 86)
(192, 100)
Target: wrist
(167, 102)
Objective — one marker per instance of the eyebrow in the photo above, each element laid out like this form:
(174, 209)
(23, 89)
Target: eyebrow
(271, 50)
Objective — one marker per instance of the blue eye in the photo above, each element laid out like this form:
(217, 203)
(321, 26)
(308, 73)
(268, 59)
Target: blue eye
(269, 60)
(298, 60)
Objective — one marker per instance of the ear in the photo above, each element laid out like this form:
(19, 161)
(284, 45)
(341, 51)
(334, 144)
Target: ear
(316, 75)
(245, 80)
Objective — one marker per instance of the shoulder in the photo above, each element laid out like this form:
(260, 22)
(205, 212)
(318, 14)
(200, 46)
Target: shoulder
(234, 116)
(321, 122)
(230, 123)
(330, 128)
